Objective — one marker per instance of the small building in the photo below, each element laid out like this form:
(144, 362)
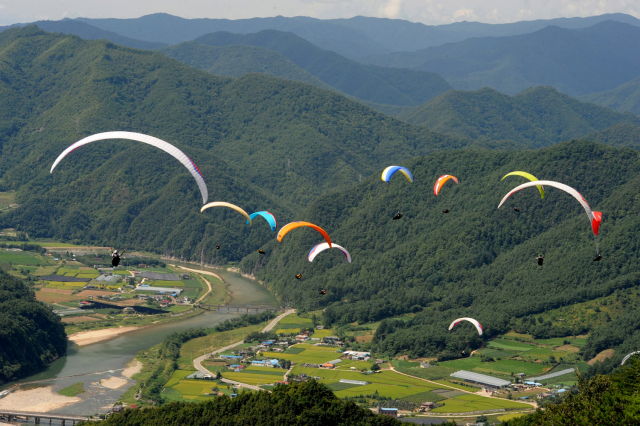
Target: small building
(259, 363)
(184, 276)
(354, 382)
(520, 375)
(319, 327)
(117, 408)
(379, 361)
(391, 412)
(424, 364)
(327, 365)
(129, 310)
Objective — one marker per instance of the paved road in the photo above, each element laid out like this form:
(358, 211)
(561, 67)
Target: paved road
(197, 363)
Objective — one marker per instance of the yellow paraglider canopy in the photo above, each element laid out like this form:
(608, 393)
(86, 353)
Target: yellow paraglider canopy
(529, 176)
(231, 206)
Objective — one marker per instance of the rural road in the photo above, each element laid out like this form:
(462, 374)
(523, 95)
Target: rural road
(195, 271)
(197, 363)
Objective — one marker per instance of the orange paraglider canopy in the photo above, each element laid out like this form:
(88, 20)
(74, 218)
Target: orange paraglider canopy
(293, 225)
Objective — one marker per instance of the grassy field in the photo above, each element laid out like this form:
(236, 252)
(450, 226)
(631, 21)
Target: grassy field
(431, 373)
(458, 386)
(510, 345)
(322, 333)
(196, 347)
(72, 390)
(176, 377)
(22, 258)
(468, 403)
(508, 366)
(253, 379)
(463, 363)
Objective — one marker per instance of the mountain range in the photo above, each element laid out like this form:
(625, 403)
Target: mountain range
(353, 38)
(574, 61)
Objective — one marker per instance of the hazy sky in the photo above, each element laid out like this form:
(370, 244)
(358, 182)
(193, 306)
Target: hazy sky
(425, 11)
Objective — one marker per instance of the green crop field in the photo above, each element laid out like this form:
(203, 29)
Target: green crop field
(431, 373)
(511, 346)
(308, 356)
(323, 333)
(21, 258)
(463, 363)
(176, 377)
(468, 403)
(317, 348)
(295, 319)
(386, 390)
(196, 283)
(88, 275)
(287, 331)
(264, 370)
(542, 354)
(293, 350)
(419, 398)
(497, 353)
(518, 336)
(508, 366)
(458, 386)
(359, 365)
(160, 283)
(52, 244)
(188, 387)
(253, 379)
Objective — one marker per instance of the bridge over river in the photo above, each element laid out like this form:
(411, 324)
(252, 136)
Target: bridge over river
(10, 416)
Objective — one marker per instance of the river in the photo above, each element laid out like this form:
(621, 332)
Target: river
(89, 364)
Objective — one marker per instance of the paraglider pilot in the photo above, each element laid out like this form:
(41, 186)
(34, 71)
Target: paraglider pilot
(540, 259)
(397, 216)
(115, 257)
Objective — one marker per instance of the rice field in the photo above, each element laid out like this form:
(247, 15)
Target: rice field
(468, 403)
(21, 258)
(176, 377)
(253, 379)
(323, 333)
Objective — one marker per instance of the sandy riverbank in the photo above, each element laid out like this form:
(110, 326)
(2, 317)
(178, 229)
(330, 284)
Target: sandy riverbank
(38, 400)
(134, 367)
(113, 382)
(84, 338)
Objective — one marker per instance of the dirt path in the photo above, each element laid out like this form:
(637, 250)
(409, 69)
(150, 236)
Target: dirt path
(197, 363)
(209, 291)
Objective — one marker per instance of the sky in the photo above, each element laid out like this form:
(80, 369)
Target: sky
(430, 12)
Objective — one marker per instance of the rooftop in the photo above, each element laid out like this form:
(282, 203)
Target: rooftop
(480, 378)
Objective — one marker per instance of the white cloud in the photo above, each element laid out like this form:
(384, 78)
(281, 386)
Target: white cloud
(464, 14)
(392, 8)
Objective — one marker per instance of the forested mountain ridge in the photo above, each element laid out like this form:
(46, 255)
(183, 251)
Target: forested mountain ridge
(88, 32)
(624, 98)
(31, 335)
(537, 117)
(376, 84)
(238, 60)
(476, 260)
(260, 142)
(574, 61)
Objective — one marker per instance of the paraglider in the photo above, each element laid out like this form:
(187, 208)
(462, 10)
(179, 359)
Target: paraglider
(471, 320)
(595, 218)
(323, 292)
(626, 358)
(516, 209)
(299, 276)
(293, 225)
(270, 218)
(150, 140)
(261, 251)
(389, 171)
(231, 206)
(540, 259)
(397, 216)
(598, 258)
(324, 246)
(529, 176)
(218, 247)
(115, 257)
(441, 181)
(445, 211)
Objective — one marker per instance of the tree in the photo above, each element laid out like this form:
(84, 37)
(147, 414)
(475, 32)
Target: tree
(375, 367)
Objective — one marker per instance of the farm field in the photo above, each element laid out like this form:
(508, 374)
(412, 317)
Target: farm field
(507, 366)
(468, 403)
(253, 379)
(22, 258)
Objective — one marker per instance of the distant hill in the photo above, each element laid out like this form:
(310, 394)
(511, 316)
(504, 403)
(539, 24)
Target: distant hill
(236, 61)
(536, 117)
(574, 61)
(89, 32)
(354, 38)
(376, 84)
(620, 135)
(624, 98)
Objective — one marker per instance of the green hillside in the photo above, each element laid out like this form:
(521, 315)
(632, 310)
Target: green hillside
(622, 134)
(376, 84)
(475, 261)
(574, 61)
(536, 117)
(236, 61)
(89, 32)
(260, 142)
(31, 336)
(624, 98)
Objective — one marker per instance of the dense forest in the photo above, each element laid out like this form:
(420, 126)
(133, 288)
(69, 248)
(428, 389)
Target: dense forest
(476, 260)
(537, 117)
(602, 400)
(307, 403)
(31, 335)
(300, 142)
